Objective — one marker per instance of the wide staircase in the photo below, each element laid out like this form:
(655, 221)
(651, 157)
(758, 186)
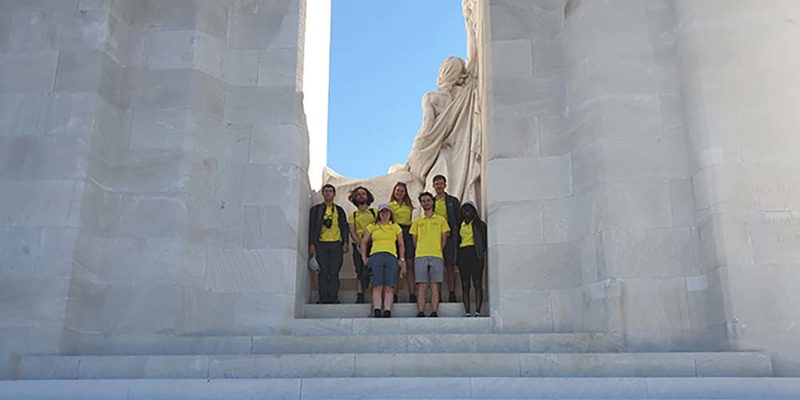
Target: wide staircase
(337, 352)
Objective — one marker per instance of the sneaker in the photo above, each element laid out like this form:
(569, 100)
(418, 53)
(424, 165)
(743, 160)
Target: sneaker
(467, 315)
(420, 314)
(434, 315)
(377, 313)
(477, 314)
(387, 314)
(412, 298)
(453, 297)
(360, 298)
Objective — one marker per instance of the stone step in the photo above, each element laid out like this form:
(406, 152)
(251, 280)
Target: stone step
(388, 326)
(729, 364)
(399, 310)
(393, 343)
(406, 388)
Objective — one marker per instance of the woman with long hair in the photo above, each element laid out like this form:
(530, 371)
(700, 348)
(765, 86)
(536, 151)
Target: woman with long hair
(471, 255)
(403, 209)
(384, 258)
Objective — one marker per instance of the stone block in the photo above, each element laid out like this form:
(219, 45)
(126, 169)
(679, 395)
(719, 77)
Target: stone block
(32, 302)
(529, 179)
(213, 223)
(658, 253)
(33, 30)
(28, 72)
(342, 344)
(561, 388)
(184, 50)
(629, 160)
(773, 185)
(5, 31)
(180, 89)
(238, 389)
(631, 206)
(526, 96)
(567, 219)
(722, 183)
(332, 326)
(725, 241)
(514, 137)
(681, 194)
(507, 227)
(240, 67)
(259, 181)
(139, 261)
(390, 388)
(762, 294)
(538, 266)
(164, 15)
(276, 24)
(20, 113)
(212, 18)
(19, 249)
(524, 311)
(511, 58)
(49, 367)
(568, 310)
(279, 67)
(271, 227)
(606, 365)
(144, 367)
(42, 203)
(276, 366)
(539, 20)
(207, 313)
(660, 309)
(775, 236)
(455, 365)
(262, 105)
(250, 270)
(42, 158)
(292, 138)
(734, 364)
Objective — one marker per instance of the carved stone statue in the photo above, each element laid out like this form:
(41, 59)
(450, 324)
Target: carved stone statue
(449, 142)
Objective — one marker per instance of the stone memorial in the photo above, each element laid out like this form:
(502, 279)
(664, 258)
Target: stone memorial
(636, 162)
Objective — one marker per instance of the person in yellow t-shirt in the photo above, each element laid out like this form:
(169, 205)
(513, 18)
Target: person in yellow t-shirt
(327, 241)
(471, 255)
(387, 252)
(430, 236)
(358, 221)
(402, 210)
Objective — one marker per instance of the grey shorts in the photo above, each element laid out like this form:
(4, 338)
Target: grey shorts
(428, 269)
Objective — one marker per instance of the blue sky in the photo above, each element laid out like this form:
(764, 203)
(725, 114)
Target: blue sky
(385, 55)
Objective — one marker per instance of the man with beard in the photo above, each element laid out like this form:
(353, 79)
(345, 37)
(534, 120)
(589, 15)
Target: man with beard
(327, 240)
(358, 221)
(429, 231)
(449, 207)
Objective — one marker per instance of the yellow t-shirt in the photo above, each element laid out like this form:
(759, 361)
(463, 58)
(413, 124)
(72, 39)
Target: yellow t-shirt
(362, 220)
(467, 238)
(384, 238)
(429, 235)
(332, 234)
(402, 213)
(441, 207)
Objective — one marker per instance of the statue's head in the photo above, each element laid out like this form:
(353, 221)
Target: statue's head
(452, 72)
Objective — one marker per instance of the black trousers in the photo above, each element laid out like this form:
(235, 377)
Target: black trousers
(329, 257)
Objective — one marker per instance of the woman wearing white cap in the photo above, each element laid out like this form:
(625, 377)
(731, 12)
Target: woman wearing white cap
(387, 243)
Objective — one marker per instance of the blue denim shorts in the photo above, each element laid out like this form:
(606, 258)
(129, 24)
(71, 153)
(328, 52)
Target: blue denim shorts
(384, 269)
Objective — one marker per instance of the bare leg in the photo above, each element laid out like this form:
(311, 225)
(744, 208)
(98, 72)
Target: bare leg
(421, 287)
(388, 295)
(434, 297)
(376, 297)
(410, 281)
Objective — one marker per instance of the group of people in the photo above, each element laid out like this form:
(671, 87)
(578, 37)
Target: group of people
(388, 246)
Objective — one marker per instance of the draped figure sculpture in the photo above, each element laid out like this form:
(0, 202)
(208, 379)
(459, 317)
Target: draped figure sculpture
(449, 142)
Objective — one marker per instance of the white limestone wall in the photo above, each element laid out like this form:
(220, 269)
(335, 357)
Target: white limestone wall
(49, 50)
(589, 186)
(155, 155)
(739, 64)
